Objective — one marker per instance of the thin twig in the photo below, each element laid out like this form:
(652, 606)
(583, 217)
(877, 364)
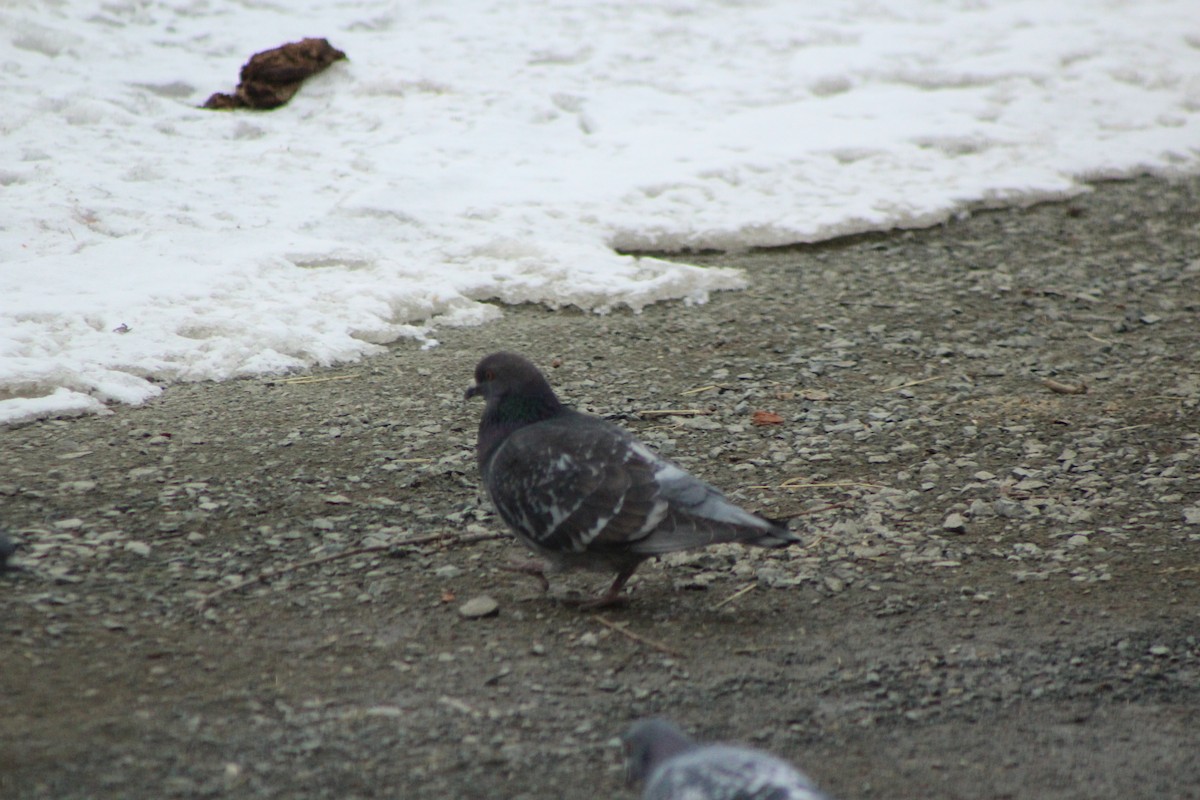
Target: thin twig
(788, 484)
(675, 412)
(829, 507)
(1064, 388)
(273, 572)
(782, 519)
(659, 646)
(791, 484)
(735, 595)
(318, 379)
(911, 383)
(700, 389)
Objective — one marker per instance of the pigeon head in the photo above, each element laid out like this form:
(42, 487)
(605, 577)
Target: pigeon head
(648, 743)
(515, 391)
(516, 395)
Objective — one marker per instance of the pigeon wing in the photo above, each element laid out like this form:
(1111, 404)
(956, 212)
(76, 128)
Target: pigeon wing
(719, 772)
(575, 483)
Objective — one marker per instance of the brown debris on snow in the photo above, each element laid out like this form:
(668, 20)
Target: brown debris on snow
(271, 78)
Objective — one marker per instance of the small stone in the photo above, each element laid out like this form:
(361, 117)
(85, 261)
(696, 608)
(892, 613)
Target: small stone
(140, 548)
(393, 712)
(833, 584)
(448, 571)
(1010, 509)
(980, 508)
(954, 522)
(478, 607)
(1160, 650)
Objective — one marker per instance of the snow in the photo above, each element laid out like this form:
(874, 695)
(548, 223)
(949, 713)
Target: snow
(471, 152)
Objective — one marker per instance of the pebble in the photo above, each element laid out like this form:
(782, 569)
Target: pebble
(955, 523)
(478, 607)
(140, 548)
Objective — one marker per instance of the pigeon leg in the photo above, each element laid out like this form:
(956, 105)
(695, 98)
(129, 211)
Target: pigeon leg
(532, 567)
(613, 596)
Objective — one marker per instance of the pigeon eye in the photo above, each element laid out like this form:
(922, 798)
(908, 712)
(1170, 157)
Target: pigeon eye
(489, 375)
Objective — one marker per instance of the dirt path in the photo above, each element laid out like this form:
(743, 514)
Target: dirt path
(999, 597)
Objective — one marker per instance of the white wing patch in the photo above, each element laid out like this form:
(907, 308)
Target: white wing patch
(560, 510)
(721, 772)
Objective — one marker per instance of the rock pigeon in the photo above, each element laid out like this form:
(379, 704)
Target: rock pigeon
(674, 767)
(583, 493)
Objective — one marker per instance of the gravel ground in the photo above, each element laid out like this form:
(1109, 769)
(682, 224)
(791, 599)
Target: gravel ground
(988, 433)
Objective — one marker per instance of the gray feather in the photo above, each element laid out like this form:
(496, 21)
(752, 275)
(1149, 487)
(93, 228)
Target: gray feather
(673, 767)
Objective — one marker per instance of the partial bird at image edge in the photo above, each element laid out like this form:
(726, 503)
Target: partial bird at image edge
(672, 766)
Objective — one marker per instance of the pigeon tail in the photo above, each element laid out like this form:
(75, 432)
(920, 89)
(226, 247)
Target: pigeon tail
(684, 532)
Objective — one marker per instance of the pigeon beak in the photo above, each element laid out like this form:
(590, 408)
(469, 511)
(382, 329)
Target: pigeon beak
(471, 391)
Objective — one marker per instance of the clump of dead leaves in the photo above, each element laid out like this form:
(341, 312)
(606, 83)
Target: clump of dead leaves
(271, 78)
